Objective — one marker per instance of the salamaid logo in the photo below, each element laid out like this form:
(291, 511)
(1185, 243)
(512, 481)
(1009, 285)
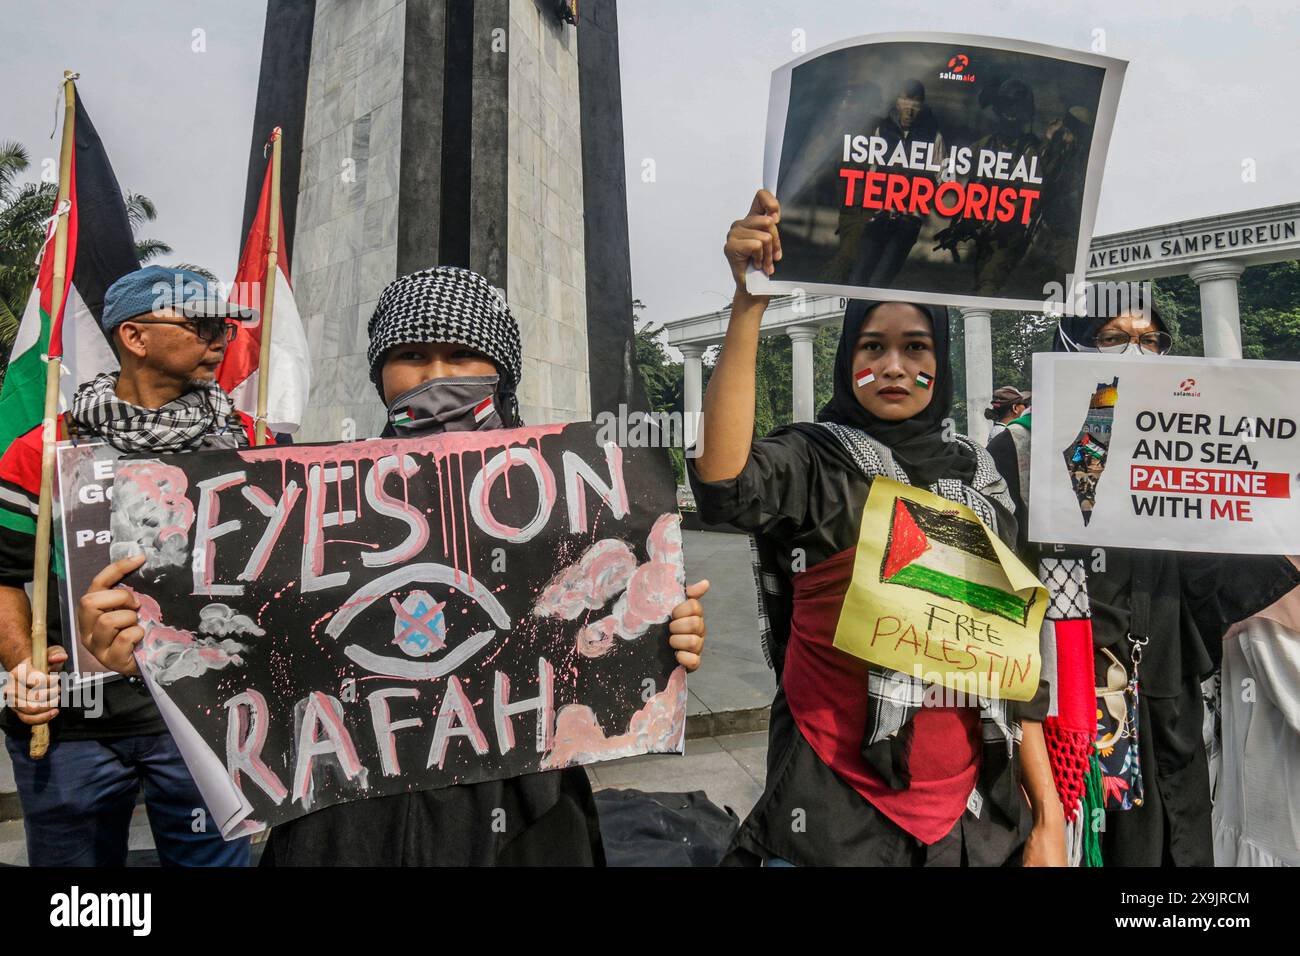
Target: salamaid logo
(76, 909)
(1187, 389)
(958, 64)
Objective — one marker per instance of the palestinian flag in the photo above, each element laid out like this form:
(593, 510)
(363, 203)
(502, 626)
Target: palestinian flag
(950, 556)
(865, 377)
(924, 379)
(101, 249)
(1091, 446)
(290, 382)
(403, 417)
(482, 411)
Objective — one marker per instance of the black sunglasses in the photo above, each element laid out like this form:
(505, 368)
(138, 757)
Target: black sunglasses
(206, 328)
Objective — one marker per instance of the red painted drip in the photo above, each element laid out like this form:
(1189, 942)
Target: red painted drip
(464, 520)
(338, 483)
(451, 506)
(442, 512)
(436, 446)
(356, 474)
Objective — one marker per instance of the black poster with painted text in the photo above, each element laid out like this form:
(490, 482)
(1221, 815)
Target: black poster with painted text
(328, 623)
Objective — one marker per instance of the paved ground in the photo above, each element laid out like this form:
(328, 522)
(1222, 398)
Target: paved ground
(728, 769)
(734, 677)
(730, 692)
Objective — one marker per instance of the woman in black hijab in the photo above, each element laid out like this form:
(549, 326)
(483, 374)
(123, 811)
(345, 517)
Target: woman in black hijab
(860, 770)
(1181, 604)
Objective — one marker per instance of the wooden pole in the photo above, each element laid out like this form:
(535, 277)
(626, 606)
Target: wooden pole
(40, 742)
(268, 294)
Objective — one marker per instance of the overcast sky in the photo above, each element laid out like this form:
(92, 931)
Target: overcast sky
(176, 123)
(1209, 83)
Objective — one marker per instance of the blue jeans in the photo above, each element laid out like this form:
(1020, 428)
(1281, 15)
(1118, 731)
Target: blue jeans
(77, 804)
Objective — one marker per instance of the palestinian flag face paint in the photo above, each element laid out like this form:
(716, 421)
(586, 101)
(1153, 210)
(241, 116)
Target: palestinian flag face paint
(865, 378)
(950, 556)
(482, 411)
(924, 379)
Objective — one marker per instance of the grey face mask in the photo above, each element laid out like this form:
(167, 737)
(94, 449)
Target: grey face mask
(457, 404)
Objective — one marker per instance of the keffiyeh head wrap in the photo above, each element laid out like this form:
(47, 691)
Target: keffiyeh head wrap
(448, 304)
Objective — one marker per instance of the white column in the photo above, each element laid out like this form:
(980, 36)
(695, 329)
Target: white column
(692, 389)
(979, 370)
(801, 358)
(1220, 310)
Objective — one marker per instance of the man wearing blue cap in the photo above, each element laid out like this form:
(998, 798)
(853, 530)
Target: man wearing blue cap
(169, 329)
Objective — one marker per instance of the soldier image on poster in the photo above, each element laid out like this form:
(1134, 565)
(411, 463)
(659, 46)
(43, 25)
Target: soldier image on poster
(1066, 141)
(1000, 246)
(874, 244)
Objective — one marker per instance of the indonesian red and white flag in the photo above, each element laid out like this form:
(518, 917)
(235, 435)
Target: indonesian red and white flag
(290, 370)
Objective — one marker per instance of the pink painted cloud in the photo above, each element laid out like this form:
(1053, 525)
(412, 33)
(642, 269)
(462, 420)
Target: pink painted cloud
(658, 727)
(171, 653)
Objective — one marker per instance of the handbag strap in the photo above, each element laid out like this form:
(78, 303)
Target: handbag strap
(1139, 611)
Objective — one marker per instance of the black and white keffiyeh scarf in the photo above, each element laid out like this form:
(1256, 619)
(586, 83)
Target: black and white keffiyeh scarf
(201, 416)
(449, 304)
(895, 697)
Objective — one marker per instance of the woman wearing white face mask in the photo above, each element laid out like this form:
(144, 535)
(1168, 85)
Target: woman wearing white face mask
(1163, 613)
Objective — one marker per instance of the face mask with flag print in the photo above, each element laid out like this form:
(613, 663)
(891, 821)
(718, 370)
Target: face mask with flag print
(457, 404)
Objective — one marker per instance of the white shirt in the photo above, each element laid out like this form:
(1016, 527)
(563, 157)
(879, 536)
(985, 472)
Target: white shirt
(1257, 799)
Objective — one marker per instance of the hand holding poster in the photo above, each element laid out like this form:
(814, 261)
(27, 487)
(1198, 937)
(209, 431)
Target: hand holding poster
(83, 499)
(937, 596)
(330, 623)
(937, 168)
(1165, 453)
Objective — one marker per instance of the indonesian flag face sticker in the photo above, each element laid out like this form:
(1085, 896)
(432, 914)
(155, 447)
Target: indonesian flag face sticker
(865, 378)
(482, 411)
(924, 379)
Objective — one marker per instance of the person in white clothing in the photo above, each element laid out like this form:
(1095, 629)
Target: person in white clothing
(1257, 794)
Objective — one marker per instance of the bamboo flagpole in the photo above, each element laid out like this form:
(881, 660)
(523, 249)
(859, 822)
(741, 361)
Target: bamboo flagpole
(268, 294)
(40, 742)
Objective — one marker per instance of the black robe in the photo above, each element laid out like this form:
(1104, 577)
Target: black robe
(1193, 599)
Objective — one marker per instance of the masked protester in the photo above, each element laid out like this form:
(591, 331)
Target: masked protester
(1157, 616)
(445, 357)
(873, 774)
(170, 331)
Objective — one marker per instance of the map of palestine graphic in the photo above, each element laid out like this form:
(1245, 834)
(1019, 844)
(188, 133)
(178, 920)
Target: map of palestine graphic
(1085, 456)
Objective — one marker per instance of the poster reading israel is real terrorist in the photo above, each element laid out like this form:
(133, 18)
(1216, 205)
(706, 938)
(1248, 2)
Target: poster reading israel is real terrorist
(938, 168)
(1165, 453)
(328, 623)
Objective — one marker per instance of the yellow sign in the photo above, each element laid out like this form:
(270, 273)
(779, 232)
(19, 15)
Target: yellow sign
(939, 597)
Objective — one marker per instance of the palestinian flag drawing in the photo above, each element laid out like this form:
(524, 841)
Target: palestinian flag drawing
(949, 556)
(865, 377)
(101, 249)
(924, 379)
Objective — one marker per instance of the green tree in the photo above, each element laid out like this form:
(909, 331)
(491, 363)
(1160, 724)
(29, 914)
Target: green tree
(24, 213)
(661, 377)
